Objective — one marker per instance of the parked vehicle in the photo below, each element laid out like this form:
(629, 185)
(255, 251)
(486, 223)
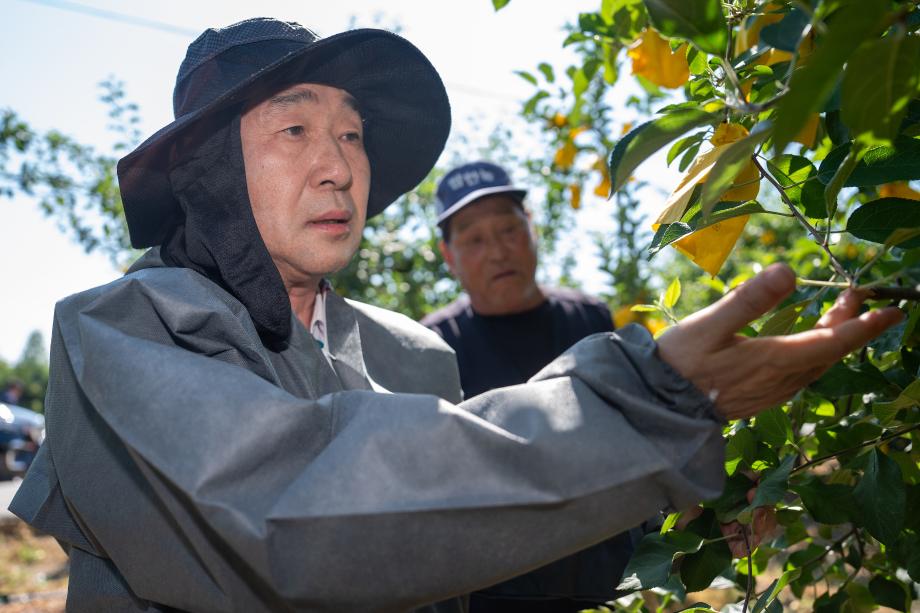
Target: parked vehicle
(21, 434)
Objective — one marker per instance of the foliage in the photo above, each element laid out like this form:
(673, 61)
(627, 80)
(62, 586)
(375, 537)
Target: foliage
(71, 181)
(31, 370)
(798, 136)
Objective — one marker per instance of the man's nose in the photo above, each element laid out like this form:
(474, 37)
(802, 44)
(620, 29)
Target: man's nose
(330, 166)
(496, 247)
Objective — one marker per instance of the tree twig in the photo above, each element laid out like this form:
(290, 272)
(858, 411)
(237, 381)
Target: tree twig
(750, 574)
(873, 442)
(820, 239)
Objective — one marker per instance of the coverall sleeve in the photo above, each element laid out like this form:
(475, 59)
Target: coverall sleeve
(210, 488)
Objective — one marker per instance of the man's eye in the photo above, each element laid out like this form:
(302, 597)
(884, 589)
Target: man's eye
(352, 137)
(294, 130)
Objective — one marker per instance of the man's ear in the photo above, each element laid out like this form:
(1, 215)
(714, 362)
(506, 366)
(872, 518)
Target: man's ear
(447, 254)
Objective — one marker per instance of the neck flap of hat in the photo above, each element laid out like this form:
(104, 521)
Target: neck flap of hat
(218, 236)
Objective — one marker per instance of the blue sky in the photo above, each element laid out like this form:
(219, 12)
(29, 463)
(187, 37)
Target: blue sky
(54, 53)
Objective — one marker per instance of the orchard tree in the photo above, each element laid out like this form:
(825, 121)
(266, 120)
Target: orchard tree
(796, 125)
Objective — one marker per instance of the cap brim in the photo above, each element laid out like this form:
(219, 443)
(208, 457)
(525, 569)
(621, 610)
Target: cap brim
(401, 96)
(479, 193)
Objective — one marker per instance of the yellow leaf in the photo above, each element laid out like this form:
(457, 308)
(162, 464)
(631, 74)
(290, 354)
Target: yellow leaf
(565, 156)
(809, 131)
(709, 248)
(603, 188)
(676, 203)
(898, 189)
(575, 191)
(748, 34)
(727, 133)
(652, 58)
(623, 316)
(746, 185)
(654, 325)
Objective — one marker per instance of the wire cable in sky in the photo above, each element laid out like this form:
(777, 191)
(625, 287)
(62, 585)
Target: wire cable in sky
(169, 28)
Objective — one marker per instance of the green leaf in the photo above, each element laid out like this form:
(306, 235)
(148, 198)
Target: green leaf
(774, 427)
(669, 522)
(842, 380)
(782, 321)
(732, 161)
(651, 563)
(651, 136)
(826, 503)
(786, 33)
(909, 397)
(741, 447)
(888, 593)
(547, 71)
(672, 294)
(531, 105)
(644, 308)
(768, 599)
(770, 490)
(879, 82)
(881, 498)
(697, 570)
(699, 21)
(880, 164)
(800, 179)
(499, 4)
(669, 233)
(683, 144)
(876, 221)
(812, 85)
(831, 604)
(526, 76)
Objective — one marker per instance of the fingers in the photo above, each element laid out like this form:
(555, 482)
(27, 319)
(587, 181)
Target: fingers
(811, 349)
(746, 303)
(845, 307)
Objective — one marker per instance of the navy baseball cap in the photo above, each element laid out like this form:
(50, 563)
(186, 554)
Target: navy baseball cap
(466, 184)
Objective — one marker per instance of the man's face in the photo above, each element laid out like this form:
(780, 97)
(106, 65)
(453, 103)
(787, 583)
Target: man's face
(308, 178)
(492, 252)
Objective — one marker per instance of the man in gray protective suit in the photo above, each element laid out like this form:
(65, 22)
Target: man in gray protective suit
(225, 433)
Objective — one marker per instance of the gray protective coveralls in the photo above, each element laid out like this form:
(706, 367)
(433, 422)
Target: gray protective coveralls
(188, 465)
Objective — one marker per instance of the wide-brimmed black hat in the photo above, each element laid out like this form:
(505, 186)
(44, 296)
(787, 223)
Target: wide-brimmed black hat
(401, 96)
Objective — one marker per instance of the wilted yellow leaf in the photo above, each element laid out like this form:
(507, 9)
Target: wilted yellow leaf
(749, 33)
(652, 58)
(727, 133)
(676, 203)
(809, 132)
(623, 316)
(898, 189)
(709, 248)
(575, 193)
(565, 155)
(746, 185)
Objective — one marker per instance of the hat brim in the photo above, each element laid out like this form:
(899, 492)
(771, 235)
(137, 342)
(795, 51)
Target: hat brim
(400, 94)
(471, 197)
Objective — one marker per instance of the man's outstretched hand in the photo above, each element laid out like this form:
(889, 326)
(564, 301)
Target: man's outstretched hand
(747, 375)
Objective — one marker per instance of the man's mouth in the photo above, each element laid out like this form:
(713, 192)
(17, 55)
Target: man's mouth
(333, 221)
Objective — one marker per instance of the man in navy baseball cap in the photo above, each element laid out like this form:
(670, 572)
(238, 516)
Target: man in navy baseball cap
(505, 329)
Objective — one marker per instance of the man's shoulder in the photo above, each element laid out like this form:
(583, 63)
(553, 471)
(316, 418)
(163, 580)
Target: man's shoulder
(458, 309)
(568, 295)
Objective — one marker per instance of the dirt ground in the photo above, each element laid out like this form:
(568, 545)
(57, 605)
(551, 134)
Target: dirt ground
(33, 571)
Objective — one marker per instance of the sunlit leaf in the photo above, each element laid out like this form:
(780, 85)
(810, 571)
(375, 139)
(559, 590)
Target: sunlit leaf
(672, 294)
(880, 164)
(653, 59)
(699, 21)
(526, 76)
(651, 562)
(734, 159)
(876, 221)
(774, 427)
(500, 4)
(878, 83)
(811, 86)
(651, 136)
(800, 179)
